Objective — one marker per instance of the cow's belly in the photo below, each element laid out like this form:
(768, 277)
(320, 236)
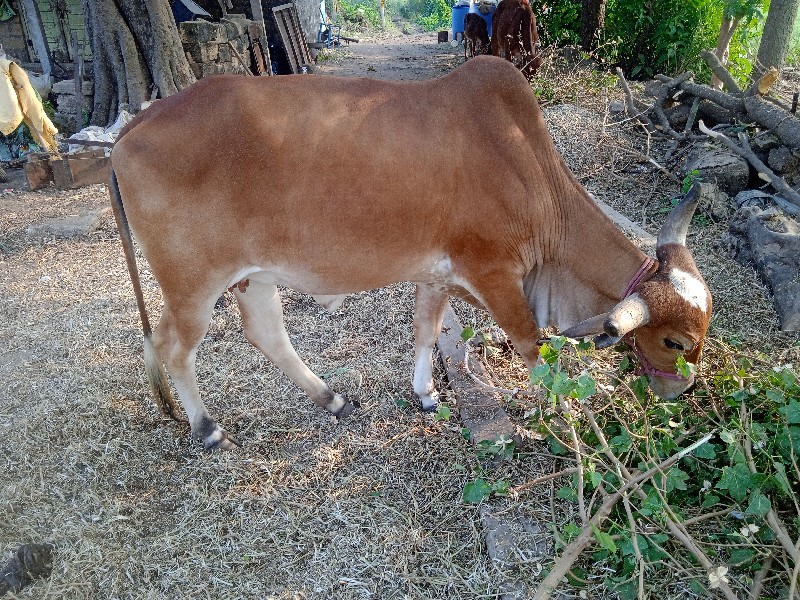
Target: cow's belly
(329, 286)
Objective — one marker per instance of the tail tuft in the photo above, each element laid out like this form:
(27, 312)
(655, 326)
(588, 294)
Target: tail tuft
(159, 384)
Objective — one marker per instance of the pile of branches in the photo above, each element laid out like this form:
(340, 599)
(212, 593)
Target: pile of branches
(679, 102)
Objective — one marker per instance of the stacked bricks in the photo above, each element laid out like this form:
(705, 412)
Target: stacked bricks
(215, 48)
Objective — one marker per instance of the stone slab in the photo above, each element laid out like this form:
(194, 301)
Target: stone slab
(479, 409)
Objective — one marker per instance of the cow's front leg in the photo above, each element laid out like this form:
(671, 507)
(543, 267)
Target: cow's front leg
(503, 297)
(429, 307)
(262, 318)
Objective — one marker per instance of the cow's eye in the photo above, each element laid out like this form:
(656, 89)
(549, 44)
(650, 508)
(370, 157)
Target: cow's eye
(673, 345)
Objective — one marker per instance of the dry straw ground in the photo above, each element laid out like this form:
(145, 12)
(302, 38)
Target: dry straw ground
(309, 508)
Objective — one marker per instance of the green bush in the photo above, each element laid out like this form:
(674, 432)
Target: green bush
(360, 13)
(736, 477)
(559, 21)
(436, 14)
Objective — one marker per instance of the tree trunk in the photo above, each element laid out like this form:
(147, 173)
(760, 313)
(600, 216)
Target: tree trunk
(593, 18)
(137, 52)
(723, 46)
(777, 33)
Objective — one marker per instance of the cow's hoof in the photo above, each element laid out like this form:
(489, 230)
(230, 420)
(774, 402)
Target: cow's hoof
(429, 402)
(340, 407)
(225, 441)
(214, 437)
(346, 410)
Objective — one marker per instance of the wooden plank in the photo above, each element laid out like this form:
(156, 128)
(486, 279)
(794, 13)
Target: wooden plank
(254, 33)
(88, 171)
(294, 42)
(36, 30)
(38, 172)
(480, 410)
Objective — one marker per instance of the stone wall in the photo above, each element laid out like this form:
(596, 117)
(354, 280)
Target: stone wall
(67, 105)
(216, 48)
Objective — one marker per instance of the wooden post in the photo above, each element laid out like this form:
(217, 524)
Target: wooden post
(78, 54)
(36, 30)
(258, 11)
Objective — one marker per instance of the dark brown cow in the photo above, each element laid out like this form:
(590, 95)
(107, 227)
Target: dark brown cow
(232, 183)
(476, 36)
(514, 35)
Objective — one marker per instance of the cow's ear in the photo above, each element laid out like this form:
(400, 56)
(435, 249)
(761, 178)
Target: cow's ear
(589, 327)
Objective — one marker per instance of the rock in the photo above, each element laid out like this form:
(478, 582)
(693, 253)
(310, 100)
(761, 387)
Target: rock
(764, 142)
(751, 198)
(28, 562)
(771, 241)
(513, 540)
(616, 106)
(785, 162)
(719, 165)
(69, 227)
(714, 203)
(68, 87)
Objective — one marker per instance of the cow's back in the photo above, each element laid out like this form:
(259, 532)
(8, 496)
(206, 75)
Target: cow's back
(326, 170)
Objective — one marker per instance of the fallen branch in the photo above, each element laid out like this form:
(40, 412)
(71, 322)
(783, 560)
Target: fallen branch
(784, 124)
(631, 108)
(534, 482)
(665, 91)
(732, 103)
(774, 521)
(764, 172)
(720, 71)
(643, 156)
(576, 547)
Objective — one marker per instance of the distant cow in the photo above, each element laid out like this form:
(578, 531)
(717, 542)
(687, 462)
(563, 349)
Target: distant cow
(514, 35)
(476, 35)
(191, 171)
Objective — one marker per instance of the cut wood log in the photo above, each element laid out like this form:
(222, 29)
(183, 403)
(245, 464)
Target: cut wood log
(747, 153)
(785, 125)
(732, 103)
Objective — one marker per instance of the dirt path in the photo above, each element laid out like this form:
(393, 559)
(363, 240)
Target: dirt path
(395, 56)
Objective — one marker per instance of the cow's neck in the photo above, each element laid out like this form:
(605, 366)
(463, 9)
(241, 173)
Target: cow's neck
(596, 264)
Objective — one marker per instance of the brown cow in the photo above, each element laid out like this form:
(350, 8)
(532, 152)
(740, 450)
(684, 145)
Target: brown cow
(514, 35)
(222, 193)
(476, 36)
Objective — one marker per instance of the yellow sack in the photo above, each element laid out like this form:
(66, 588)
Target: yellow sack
(19, 102)
(10, 112)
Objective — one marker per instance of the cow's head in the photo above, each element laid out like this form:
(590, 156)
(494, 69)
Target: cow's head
(665, 316)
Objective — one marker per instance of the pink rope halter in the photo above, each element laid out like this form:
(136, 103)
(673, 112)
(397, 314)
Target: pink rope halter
(646, 367)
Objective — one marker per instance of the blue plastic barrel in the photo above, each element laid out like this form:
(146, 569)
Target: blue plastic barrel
(459, 12)
(486, 17)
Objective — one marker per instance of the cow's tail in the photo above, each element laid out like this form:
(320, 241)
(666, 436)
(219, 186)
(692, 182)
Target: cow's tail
(154, 368)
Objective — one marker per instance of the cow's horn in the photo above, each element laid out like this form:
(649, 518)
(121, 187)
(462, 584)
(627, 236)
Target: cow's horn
(675, 228)
(590, 326)
(630, 313)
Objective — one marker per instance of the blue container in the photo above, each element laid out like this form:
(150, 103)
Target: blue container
(459, 12)
(486, 17)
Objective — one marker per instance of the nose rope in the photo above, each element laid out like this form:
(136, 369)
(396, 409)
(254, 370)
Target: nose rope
(630, 340)
(639, 277)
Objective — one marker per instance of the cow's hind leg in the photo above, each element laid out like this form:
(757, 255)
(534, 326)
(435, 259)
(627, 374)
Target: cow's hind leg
(429, 307)
(176, 340)
(262, 318)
